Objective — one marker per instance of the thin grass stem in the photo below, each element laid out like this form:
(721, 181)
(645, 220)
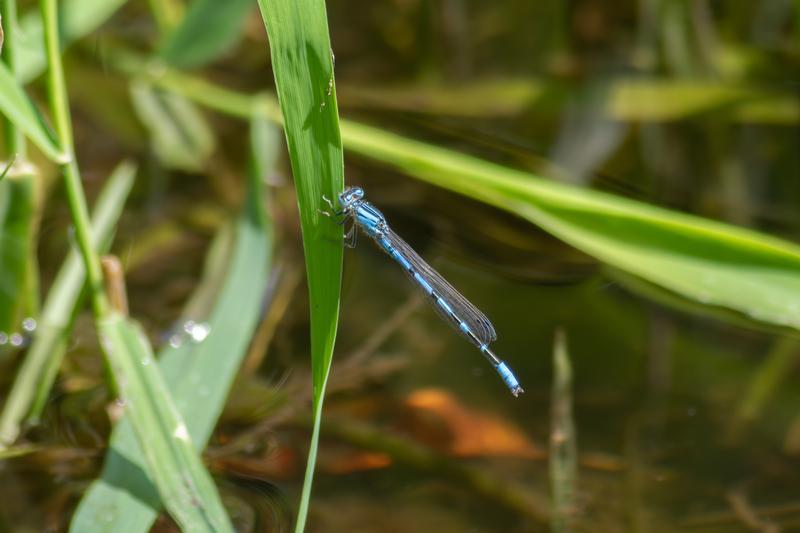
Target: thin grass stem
(59, 106)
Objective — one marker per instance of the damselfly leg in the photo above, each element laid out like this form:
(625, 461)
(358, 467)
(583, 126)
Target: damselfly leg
(333, 211)
(351, 234)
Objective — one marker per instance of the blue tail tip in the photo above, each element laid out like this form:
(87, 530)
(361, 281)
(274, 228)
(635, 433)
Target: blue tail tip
(510, 379)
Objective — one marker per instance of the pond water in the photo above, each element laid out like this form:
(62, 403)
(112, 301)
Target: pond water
(685, 416)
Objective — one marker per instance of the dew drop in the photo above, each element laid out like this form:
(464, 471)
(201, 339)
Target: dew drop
(176, 340)
(3, 338)
(17, 339)
(29, 324)
(181, 432)
(200, 331)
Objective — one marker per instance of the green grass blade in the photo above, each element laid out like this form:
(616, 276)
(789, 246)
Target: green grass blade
(18, 238)
(16, 106)
(78, 18)
(124, 499)
(38, 369)
(706, 261)
(209, 30)
(563, 441)
(184, 485)
(303, 67)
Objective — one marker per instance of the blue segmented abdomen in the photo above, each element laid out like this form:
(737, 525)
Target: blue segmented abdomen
(410, 264)
(509, 378)
(446, 300)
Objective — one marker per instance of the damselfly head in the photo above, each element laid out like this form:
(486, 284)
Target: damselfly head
(350, 196)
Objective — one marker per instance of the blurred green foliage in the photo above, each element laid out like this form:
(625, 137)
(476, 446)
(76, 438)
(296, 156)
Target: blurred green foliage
(657, 138)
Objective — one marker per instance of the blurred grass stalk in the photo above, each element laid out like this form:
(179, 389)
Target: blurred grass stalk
(15, 142)
(37, 373)
(625, 100)
(19, 208)
(563, 441)
(19, 216)
(184, 485)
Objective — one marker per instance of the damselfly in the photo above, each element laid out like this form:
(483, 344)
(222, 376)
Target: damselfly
(448, 302)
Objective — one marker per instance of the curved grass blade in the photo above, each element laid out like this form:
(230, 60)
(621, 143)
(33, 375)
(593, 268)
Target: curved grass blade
(302, 63)
(18, 108)
(710, 262)
(38, 369)
(124, 499)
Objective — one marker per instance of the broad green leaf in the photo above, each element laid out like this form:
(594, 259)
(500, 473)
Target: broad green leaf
(302, 63)
(124, 499)
(18, 108)
(37, 372)
(184, 485)
(179, 134)
(710, 262)
(209, 30)
(77, 18)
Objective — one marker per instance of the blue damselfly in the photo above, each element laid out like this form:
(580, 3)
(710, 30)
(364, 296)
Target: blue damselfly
(448, 302)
